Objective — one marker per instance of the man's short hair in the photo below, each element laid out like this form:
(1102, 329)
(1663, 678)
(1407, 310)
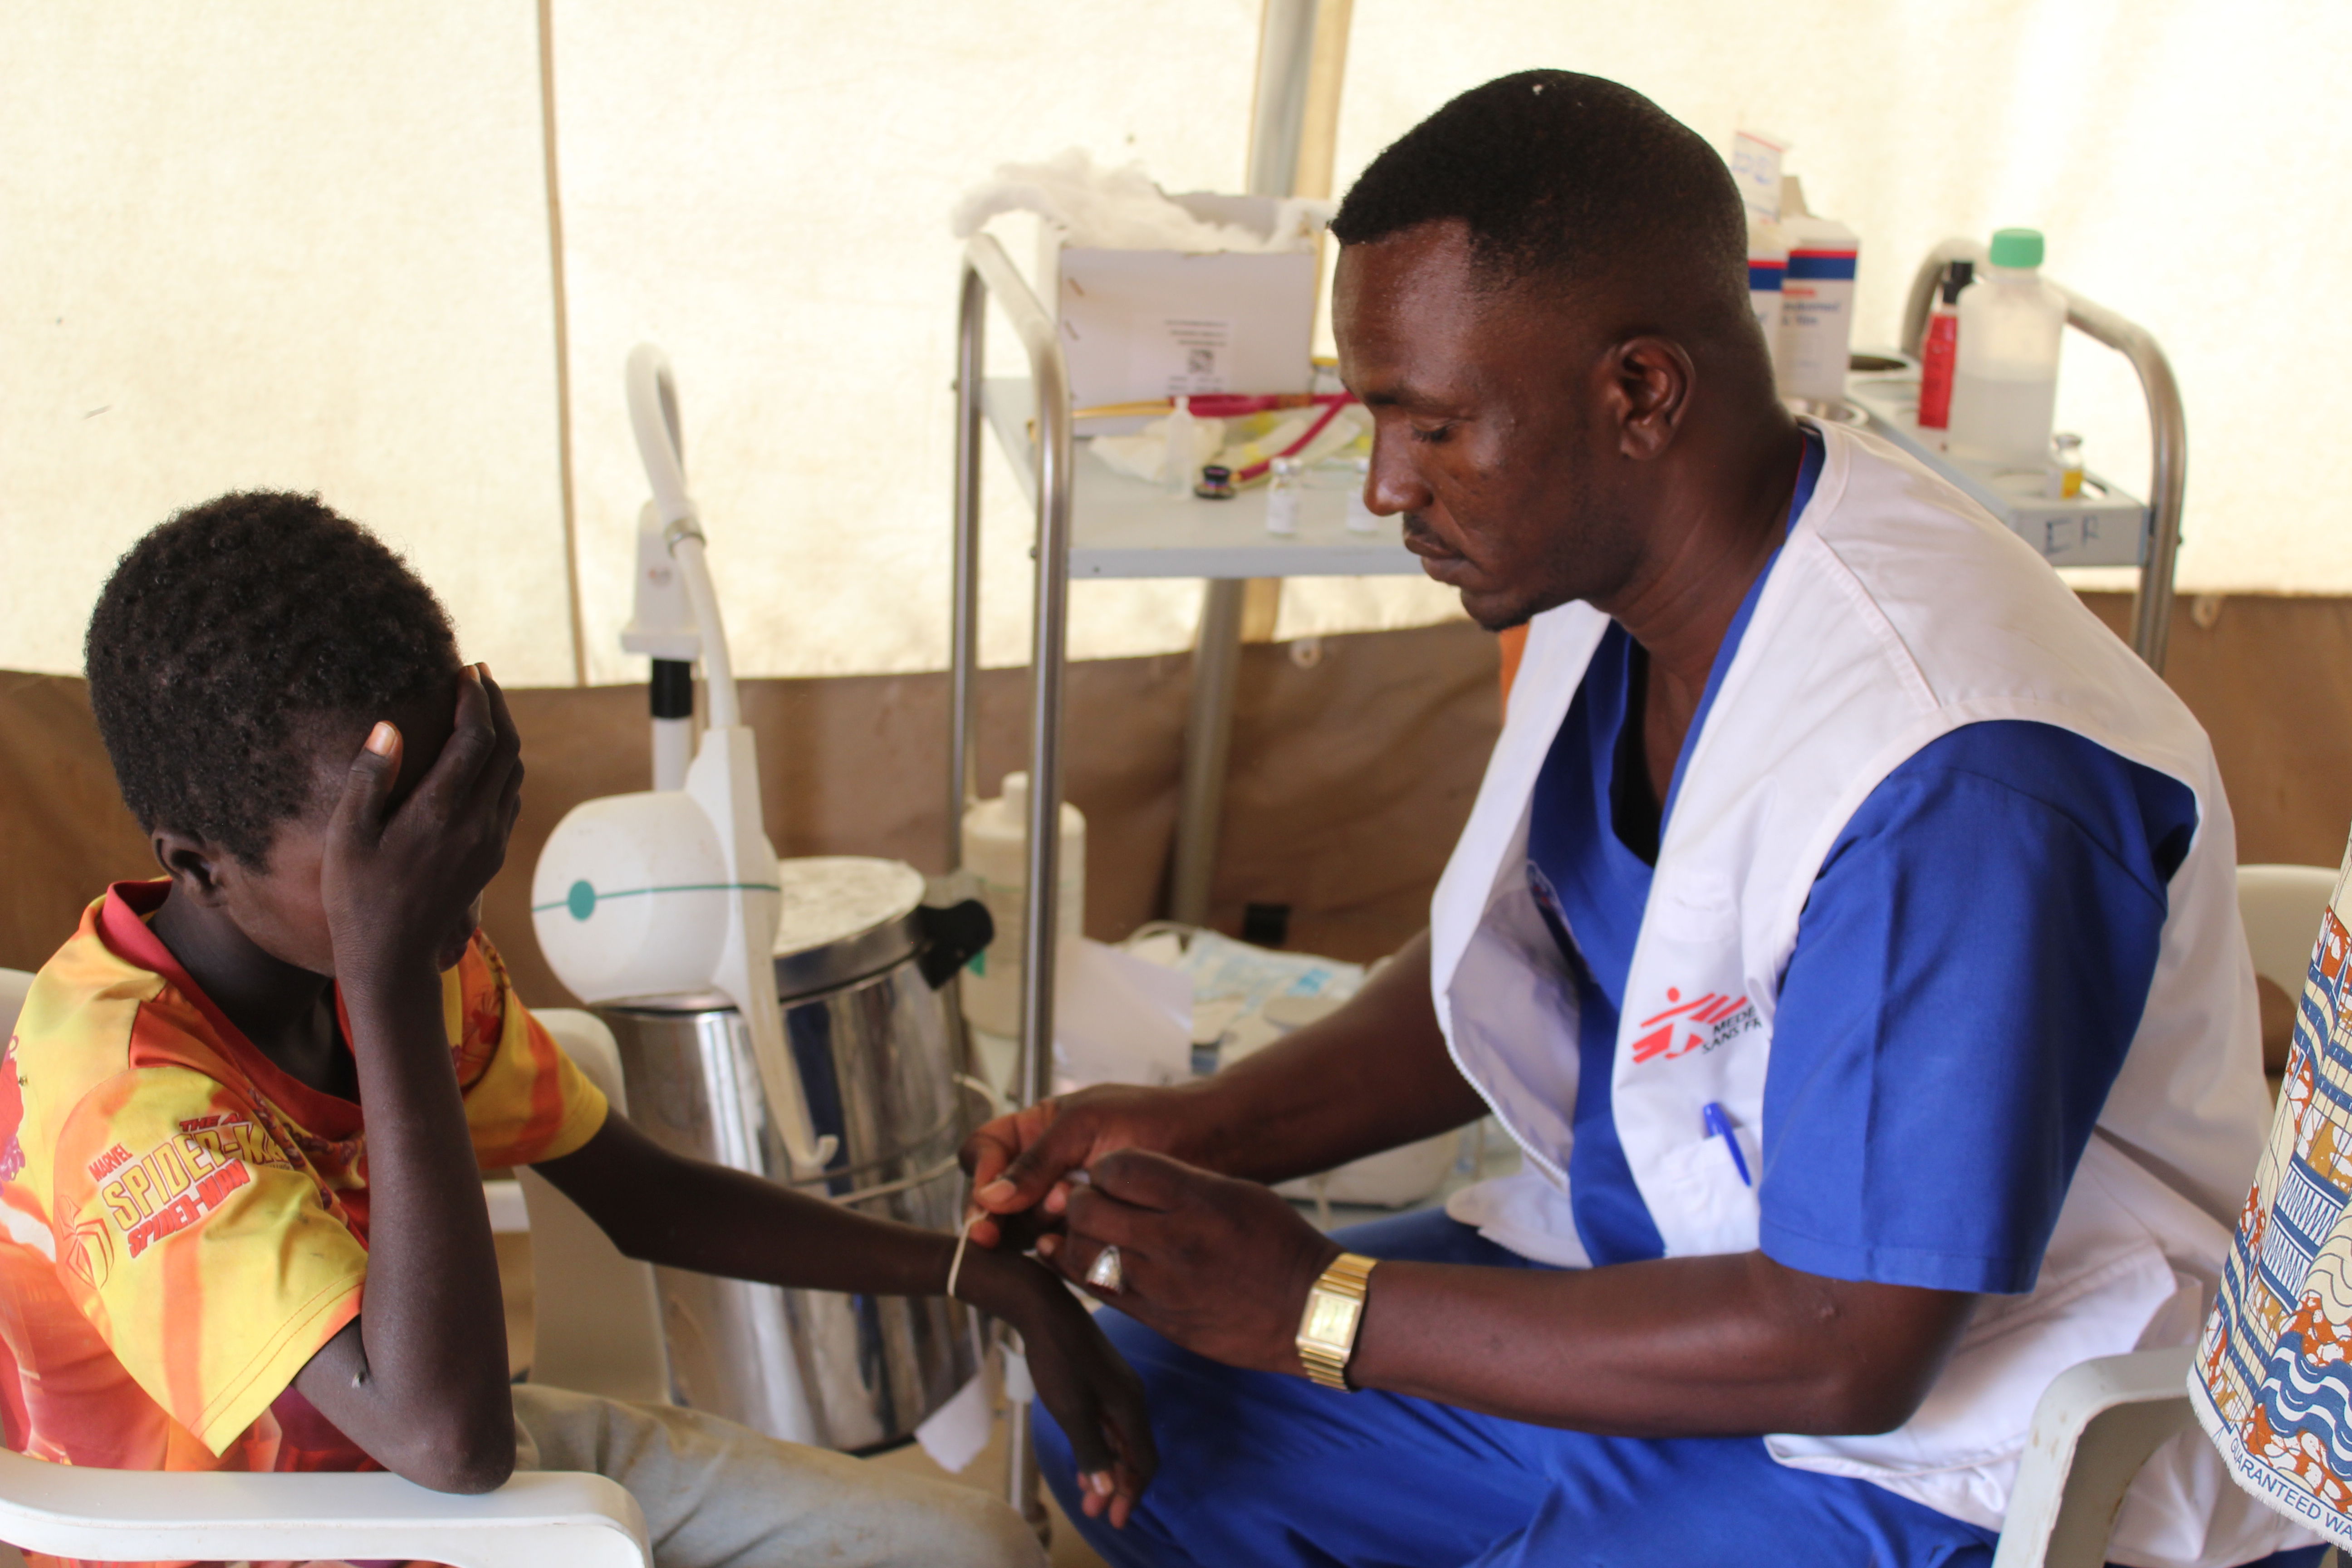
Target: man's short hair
(1560, 178)
(234, 640)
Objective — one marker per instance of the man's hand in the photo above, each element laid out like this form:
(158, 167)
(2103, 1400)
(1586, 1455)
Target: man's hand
(1673, 1347)
(1218, 1266)
(400, 884)
(1374, 1075)
(1021, 1164)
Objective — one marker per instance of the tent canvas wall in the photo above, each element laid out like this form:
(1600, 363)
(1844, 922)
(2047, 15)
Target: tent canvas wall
(396, 255)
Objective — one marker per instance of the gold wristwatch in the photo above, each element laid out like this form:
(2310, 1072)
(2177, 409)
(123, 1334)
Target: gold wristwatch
(1327, 1329)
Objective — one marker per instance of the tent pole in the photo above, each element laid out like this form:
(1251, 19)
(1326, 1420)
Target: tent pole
(1294, 118)
(563, 342)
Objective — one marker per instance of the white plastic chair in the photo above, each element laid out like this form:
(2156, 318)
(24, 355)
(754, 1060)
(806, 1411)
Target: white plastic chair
(2095, 1426)
(13, 984)
(538, 1520)
(2098, 1421)
(2281, 906)
(598, 1316)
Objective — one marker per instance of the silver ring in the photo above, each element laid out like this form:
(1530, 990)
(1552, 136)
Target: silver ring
(1104, 1273)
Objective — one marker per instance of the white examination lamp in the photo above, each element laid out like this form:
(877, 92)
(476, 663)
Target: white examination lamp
(674, 890)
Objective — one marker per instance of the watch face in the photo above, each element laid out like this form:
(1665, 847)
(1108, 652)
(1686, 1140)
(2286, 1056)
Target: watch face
(1331, 1319)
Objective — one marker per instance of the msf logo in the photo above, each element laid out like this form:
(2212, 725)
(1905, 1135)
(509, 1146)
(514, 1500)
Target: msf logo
(1700, 1024)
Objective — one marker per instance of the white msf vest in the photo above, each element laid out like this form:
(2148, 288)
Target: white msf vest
(1897, 612)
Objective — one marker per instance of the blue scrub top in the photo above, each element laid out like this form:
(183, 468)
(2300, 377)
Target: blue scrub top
(1969, 970)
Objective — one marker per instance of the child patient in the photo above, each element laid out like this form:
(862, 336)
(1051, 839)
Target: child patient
(246, 1111)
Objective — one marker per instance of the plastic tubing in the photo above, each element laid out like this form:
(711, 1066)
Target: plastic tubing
(1257, 470)
(1217, 405)
(652, 419)
(718, 669)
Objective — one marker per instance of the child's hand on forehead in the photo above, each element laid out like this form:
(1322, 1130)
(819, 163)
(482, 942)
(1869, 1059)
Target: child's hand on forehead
(402, 876)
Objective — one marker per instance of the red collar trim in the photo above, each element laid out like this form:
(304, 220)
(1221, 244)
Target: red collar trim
(123, 927)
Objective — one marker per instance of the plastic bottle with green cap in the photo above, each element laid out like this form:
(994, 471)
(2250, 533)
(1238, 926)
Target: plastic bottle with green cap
(2005, 375)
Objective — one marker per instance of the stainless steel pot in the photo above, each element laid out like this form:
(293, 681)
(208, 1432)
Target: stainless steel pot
(864, 969)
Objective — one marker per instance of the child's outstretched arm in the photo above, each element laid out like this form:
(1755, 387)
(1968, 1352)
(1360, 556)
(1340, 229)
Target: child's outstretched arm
(664, 1208)
(419, 1379)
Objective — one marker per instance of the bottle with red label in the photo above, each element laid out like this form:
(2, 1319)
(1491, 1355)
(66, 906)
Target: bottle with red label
(1940, 350)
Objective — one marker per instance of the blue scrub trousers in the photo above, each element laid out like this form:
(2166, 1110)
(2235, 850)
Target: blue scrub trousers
(1257, 1468)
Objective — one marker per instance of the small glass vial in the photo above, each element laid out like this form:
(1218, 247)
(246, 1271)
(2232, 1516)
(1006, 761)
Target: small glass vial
(1359, 512)
(2067, 482)
(1288, 482)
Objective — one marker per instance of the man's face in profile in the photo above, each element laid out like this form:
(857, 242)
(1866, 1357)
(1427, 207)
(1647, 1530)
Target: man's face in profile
(1485, 437)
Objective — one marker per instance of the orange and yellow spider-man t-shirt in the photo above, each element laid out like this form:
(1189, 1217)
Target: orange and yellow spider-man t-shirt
(185, 1223)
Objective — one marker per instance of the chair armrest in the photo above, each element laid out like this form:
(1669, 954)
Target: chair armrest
(538, 1520)
(2282, 908)
(509, 1213)
(2095, 1426)
(588, 1041)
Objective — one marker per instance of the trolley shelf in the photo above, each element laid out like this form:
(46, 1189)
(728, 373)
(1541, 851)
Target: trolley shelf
(2157, 545)
(1124, 526)
(2101, 527)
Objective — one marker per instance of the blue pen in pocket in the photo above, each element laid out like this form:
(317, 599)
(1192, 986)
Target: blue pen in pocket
(1718, 1125)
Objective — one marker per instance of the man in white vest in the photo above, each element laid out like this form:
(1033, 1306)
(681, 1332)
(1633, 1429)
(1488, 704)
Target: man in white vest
(1845, 931)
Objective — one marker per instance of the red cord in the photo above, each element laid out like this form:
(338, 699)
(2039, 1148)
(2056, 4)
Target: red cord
(1233, 404)
(1257, 469)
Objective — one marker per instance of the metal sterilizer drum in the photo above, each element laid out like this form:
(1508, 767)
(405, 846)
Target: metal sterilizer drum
(863, 969)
